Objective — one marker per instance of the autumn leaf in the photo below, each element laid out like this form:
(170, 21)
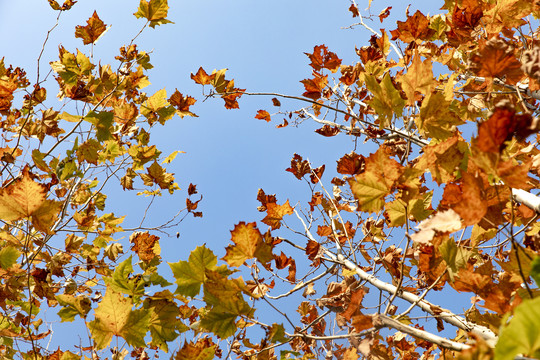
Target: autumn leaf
(417, 79)
(416, 27)
(263, 115)
(351, 164)
(202, 349)
(248, 244)
(182, 104)
(328, 131)
(437, 120)
(94, 29)
(445, 222)
(202, 78)
(299, 167)
(155, 11)
(369, 191)
(115, 316)
(164, 324)
(25, 198)
(321, 58)
(315, 86)
(496, 59)
(386, 100)
(190, 275)
(145, 245)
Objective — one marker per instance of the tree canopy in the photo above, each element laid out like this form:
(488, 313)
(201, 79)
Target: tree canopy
(423, 245)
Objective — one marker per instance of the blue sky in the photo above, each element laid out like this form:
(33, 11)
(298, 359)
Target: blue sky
(229, 154)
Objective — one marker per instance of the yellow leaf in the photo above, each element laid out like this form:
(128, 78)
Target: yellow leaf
(171, 157)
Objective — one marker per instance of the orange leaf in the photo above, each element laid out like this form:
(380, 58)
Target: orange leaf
(91, 32)
(328, 131)
(25, 198)
(201, 77)
(182, 103)
(496, 59)
(144, 245)
(248, 244)
(314, 86)
(351, 164)
(299, 167)
(415, 27)
(324, 59)
(275, 214)
(263, 115)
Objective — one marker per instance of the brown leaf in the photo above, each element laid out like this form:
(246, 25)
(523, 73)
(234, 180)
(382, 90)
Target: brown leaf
(317, 174)
(315, 86)
(192, 189)
(275, 214)
(496, 59)
(351, 164)
(276, 102)
(299, 167)
(145, 245)
(263, 115)
(384, 13)
(92, 31)
(328, 131)
(354, 10)
(323, 59)
(182, 103)
(201, 77)
(416, 27)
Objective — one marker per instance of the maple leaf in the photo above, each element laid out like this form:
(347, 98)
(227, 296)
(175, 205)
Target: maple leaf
(156, 174)
(202, 349)
(275, 214)
(145, 245)
(354, 10)
(369, 191)
(155, 11)
(386, 99)
(114, 316)
(265, 199)
(418, 78)
(384, 13)
(202, 78)
(248, 244)
(299, 167)
(496, 59)
(468, 198)
(94, 29)
(164, 324)
(190, 275)
(507, 14)
(351, 164)
(315, 86)
(283, 261)
(25, 198)
(276, 102)
(445, 222)
(328, 131)
(501, 126)
(182, 104)
(416, 27)
(437, 120)
(323, 59)
(316, 174)
(263, 115)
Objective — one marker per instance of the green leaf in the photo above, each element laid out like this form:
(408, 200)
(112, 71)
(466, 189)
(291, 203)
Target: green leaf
(397, 213)
(456, 257)
(8, 256)
(535, 270)
(73, 306)
(122, 282)
(277, 333)
(154, 11)
(386, 99)
(190, 275)
(102, 121)
(114, 317)
(165, 325)
(522, 334)
(369, 191)
(220, 323)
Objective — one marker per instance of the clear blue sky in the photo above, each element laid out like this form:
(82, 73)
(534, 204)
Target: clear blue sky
(229, 154)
